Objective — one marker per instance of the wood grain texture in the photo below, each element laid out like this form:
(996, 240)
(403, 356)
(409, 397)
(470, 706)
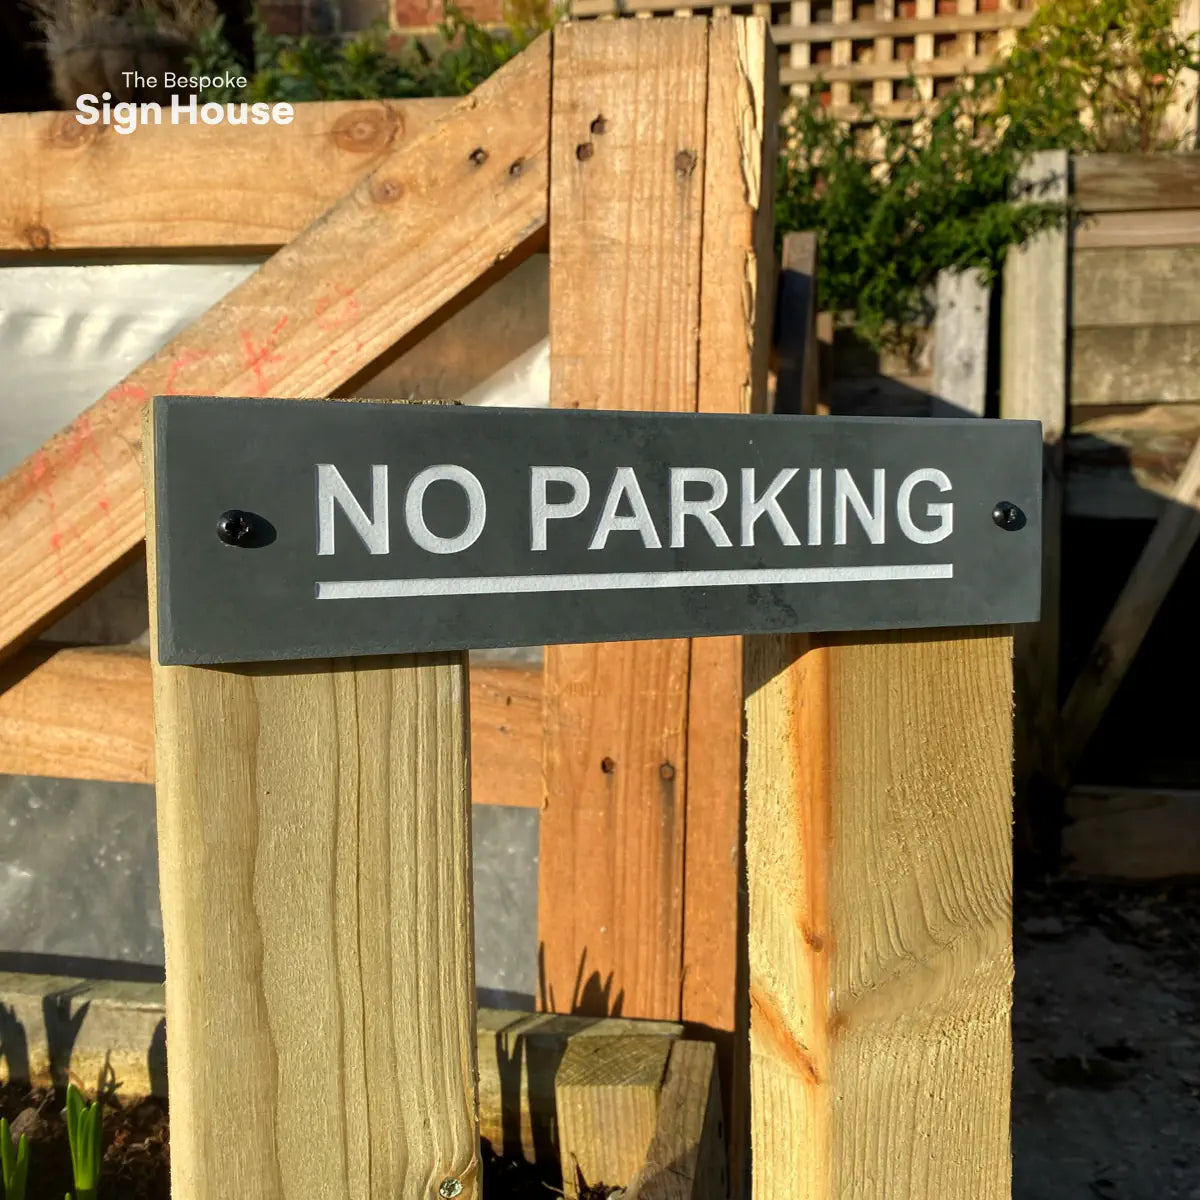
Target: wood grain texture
(879, 857)
(606, 1092)
(85, 712)
(358, 279)
(1166, 550)
(737, 312)
(506, 736)
(184, 186)
(1119, 230)
(519, 1057)
(1033, 386)
(960, 349)
(625, 238)
(686, 1158)
(1153, 285)
(1135, 182)
(315, 870)
(1135, 364)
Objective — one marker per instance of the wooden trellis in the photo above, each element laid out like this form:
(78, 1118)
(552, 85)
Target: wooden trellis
(893, 55)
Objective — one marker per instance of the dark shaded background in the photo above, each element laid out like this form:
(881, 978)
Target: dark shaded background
(25, 75)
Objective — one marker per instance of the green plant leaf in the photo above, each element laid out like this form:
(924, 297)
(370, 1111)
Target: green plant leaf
(84, 1135)
(14, 1163)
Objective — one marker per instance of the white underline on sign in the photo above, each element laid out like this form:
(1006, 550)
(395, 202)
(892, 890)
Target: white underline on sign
(492, 585)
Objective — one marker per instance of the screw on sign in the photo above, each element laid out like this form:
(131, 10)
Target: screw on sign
(378, 528)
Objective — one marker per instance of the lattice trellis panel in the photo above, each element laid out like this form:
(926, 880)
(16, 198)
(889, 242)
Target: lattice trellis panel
(891, 55)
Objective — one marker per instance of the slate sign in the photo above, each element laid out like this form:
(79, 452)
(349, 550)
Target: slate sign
(317, 529)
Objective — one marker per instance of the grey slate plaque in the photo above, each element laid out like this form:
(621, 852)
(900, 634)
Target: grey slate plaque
(371, 528)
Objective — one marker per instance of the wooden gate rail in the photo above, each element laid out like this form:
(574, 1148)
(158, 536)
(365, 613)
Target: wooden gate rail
(84, 712)
(253, 187)
(353, 283)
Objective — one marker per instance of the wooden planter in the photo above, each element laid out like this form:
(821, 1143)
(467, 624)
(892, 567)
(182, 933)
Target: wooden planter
(626, 1103)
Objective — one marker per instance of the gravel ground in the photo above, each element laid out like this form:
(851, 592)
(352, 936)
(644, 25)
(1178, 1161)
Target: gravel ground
(1106, 1098)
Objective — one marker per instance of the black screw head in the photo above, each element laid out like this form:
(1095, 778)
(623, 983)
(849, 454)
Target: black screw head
(235, 528)
(1007, 515)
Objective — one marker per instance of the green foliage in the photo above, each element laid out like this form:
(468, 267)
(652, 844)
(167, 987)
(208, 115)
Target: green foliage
(1097, 75)
(84, 1134)
(215, 57)
(365, 67)
(895, 203)
(894, 210)
(14, 1163)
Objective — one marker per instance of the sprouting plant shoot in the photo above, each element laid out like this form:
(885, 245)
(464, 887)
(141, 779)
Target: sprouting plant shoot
(14, 1163)
(83, 1134)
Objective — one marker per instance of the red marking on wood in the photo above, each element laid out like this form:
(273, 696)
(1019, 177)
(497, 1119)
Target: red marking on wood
(180, 363)
(81, 439)
(39, 470)
(256, 358)
(128, 393)
(333, 311)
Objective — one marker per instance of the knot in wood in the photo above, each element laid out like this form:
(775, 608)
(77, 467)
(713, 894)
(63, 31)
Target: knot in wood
(38, 237)
(386, 191)
(69, 132)
(367, 130)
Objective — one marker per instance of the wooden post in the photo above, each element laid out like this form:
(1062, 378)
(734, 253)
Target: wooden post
(606, 1096)
(315, 862)
(1182, 116)
(1033, 386)
(960, 346)
(627, 132)
(662, 290)
(798, 364)
(878, 797)
(686, 1158)
(661, 285)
